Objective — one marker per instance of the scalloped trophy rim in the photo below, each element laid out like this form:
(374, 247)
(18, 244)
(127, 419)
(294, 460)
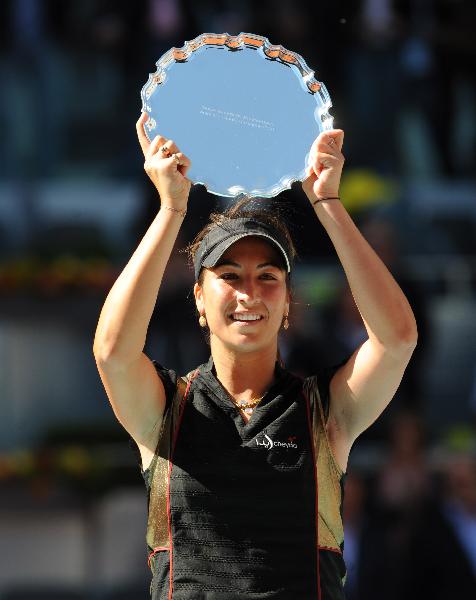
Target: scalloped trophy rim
(273, 52)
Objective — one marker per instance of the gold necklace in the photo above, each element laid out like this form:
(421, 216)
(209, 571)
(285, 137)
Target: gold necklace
(247, 405)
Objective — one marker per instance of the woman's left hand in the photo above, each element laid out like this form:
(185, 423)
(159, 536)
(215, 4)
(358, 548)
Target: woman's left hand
(326, 163)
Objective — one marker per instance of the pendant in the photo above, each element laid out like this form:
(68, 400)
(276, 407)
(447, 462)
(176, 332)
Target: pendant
(248, 411)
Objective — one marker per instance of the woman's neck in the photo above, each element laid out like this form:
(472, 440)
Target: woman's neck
(245, 375)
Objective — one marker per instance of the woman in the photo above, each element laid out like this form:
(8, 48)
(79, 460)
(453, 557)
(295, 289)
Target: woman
(244, 461)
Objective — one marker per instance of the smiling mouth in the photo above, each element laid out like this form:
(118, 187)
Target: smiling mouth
(246, 317)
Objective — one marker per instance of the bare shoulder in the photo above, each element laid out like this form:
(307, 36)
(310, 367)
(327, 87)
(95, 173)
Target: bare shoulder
(361, 389)
(336, 436)
(137, 396)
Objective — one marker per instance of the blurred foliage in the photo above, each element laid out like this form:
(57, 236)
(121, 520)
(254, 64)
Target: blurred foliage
(84, 468)
(364, 188)
(56, 276)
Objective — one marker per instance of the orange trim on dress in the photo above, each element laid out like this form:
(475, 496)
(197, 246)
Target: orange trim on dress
(336, 550)
(154, 552)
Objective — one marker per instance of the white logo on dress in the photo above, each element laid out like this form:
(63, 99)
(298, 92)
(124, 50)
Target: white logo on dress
(268, 443)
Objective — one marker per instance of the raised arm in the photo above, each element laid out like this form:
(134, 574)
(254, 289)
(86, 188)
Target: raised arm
(363, 387)
(133, 387)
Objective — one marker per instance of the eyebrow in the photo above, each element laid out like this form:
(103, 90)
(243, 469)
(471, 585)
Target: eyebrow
(231, 263)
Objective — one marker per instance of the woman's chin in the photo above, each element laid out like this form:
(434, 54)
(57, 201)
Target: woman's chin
(245, 340)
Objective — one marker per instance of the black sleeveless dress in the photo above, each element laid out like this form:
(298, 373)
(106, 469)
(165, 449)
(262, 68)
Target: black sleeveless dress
(245, 510)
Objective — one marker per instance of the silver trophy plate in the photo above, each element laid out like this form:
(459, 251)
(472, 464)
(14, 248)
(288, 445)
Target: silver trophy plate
(243, 110)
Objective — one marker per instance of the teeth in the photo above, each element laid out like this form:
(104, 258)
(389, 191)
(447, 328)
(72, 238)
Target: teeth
(245, 317)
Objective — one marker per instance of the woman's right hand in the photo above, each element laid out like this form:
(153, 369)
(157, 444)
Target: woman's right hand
(166, 173)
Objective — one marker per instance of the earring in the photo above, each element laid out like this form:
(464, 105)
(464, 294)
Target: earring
(285, 322)
(202, 321)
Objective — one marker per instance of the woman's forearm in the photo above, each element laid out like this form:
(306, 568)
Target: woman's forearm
(384, 308)
(125, 316)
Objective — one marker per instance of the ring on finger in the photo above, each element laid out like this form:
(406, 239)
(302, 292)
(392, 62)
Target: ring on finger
(176, 158)
(165, 151)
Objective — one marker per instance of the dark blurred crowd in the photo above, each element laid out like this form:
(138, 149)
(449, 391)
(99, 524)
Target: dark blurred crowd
(410, 526)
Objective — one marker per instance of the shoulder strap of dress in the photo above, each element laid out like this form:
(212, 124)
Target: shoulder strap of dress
(328, 475)
(311, 390)
(157, 524)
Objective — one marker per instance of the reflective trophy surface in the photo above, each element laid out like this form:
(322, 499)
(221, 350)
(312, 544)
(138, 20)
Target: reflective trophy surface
(243, 110)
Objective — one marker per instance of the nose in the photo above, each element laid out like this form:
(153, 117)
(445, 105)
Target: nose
(248, 293)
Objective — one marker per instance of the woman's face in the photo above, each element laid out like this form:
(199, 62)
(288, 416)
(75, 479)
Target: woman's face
(244, 297)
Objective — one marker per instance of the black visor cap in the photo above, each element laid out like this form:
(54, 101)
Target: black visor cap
(222, 236)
